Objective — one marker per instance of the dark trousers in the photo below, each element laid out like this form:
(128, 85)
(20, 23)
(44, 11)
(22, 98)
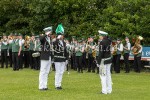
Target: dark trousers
(73, 61)
(4, 58)
(31, 59)
(137, 64)
(15, 59)
(10, 57)
(118, 63)
(91, 63)
(21, 60)
(114, 62)
(79, 63)
(36, 64)
(84, 60)
(126, 61)
(26, 59)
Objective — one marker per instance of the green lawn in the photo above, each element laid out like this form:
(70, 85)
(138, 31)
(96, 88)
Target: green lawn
(23, 85)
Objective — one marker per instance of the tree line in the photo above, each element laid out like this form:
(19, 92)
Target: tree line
(81, 18)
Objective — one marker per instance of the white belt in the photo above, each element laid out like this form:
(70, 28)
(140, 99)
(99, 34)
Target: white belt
(101, 68)
(59, 57)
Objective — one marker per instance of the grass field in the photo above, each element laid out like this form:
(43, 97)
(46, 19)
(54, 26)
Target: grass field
(23, 85)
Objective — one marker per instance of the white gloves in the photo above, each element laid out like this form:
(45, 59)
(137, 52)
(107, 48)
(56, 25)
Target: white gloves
(47, 33)
(66, 62)
(97, 65)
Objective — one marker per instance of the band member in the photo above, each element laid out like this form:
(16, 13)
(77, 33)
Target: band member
(45, 58)
(127, 48)
(90, 47)
(26, 52)
(21, 52)
(104, 63)
(97, 54)
(68, 48)
(119, 51)
(31, 46)
(114, 54)
(73, 60)
(4, 48)
(79, 54)
(84, 62)
(16, 50)
(137, 52)
(10, 40)
(37, 49)
(60, 57)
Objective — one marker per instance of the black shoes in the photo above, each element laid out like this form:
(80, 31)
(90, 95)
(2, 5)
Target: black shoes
(58, 88)
(44, 89)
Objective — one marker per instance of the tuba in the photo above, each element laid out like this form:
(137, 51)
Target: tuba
(137, 44)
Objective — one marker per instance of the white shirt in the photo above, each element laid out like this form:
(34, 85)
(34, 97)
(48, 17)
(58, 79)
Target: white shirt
(20, 42)
(61, 42)
(128, 45)
(10, 41)
(120, 47)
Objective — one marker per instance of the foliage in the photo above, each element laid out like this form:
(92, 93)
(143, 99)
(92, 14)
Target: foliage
(79, 17)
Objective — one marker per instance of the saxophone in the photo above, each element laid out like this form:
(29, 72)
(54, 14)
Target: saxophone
(94, 51)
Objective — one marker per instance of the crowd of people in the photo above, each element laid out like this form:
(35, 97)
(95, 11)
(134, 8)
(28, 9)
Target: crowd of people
(82, 54)
(41, 52)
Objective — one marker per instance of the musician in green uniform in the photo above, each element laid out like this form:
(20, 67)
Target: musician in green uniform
(26, 52)
(10, 40)
(4, 48)
(90, 47)
(126, 50)
(79, 54)
(97, 54)
(21, 40)
(37, 49)
(73, 43)
(16, 50)
(119, 52)
(31, 46)
(84, 62)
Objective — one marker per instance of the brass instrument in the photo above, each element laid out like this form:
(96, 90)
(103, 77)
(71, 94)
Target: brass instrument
(137, 44)
(27, 42)
(36, 54)
(3, 40)
(94, 53)
(10, 37)
(87, 47)
(114, 45)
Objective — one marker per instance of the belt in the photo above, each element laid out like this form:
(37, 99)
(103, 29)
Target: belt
(59, 56)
